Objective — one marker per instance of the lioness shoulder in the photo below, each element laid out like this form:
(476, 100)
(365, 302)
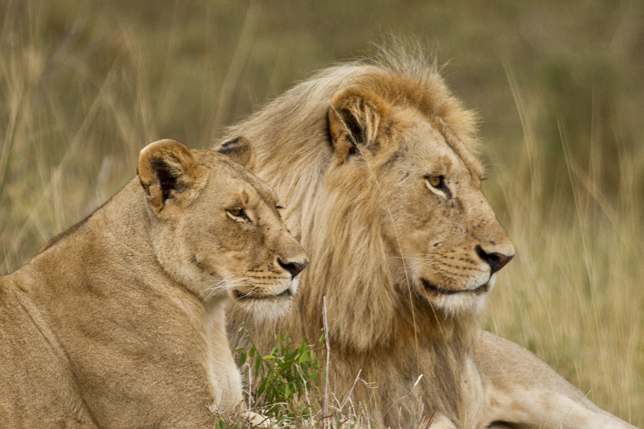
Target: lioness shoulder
(119, 321)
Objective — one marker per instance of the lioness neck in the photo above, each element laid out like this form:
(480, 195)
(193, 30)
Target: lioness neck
(114, 237)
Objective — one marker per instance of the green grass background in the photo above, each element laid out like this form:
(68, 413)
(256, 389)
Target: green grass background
(559, 87)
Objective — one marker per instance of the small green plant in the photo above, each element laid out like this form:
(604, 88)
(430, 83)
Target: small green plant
(285, 386)
(284, 382)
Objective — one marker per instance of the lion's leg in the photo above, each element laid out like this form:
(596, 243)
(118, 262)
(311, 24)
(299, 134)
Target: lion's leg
(257, 420)
(522, 390)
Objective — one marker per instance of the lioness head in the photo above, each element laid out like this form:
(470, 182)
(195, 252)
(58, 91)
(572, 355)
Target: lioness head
(216, 228)
(419, 178)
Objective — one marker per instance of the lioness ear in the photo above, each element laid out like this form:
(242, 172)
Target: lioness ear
(239, 150)
(355, 119)
(169, 171)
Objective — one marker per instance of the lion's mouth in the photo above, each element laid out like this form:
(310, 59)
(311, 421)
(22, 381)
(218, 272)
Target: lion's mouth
(286, 293)
(484, 288)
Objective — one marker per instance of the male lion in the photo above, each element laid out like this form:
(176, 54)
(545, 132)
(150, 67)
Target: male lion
(374, 161)
(119, 321)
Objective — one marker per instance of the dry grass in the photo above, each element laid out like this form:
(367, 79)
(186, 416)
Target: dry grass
(573, 295)
(85, 84)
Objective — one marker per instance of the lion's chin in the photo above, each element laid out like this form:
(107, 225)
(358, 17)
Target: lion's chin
(457, 302)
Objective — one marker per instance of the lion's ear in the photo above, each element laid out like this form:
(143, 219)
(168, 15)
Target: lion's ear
(356, 117)
(169, 171)
(239, 150)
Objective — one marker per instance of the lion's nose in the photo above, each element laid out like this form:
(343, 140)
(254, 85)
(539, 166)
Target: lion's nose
(293, 267)
(495, 260)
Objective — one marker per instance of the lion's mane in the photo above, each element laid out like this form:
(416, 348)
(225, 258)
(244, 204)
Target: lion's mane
(369, 321)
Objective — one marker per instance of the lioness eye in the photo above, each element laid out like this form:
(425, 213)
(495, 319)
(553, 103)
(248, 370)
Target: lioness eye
(436, 181)
(238, 215)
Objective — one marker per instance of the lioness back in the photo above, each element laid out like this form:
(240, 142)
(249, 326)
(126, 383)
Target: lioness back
(119, 321)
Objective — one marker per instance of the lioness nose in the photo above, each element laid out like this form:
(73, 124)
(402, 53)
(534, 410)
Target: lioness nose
(495, 260)
(294, 267)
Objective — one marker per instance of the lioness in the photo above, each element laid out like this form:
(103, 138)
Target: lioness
(375, 163)
(119, 321)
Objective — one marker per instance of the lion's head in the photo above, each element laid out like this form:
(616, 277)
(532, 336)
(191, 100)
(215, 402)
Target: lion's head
(375, 163)
(216, 228)
(404, 170)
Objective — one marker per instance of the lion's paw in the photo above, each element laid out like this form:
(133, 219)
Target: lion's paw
(258, 420)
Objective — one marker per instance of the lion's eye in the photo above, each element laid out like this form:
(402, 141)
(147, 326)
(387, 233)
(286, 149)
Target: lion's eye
(238, 215)
(436, 183)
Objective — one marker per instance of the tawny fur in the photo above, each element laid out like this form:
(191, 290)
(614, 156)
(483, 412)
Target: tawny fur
(350, 151)
(119, 321)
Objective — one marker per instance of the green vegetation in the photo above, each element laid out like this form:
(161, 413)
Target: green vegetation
(285, 383)
(284, 378)
(85, 84)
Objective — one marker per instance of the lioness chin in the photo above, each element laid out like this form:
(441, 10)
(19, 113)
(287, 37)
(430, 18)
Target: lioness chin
(375, 163)
(119, 321)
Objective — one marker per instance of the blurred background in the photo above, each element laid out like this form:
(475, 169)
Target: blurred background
(558, 85)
